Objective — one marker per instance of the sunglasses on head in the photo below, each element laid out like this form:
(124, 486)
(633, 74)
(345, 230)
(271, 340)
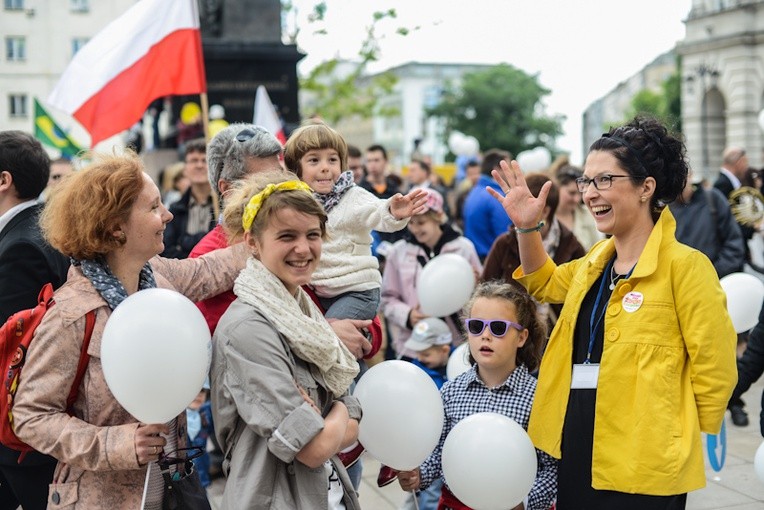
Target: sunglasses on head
(497, 327)
(245, 134)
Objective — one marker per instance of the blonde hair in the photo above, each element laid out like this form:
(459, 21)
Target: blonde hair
(245, 189)
(313, 137)
(80, 218)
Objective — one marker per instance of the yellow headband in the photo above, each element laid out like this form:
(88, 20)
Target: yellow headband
(256, 202)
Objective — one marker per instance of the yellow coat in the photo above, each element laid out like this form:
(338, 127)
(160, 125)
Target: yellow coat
(667, 370)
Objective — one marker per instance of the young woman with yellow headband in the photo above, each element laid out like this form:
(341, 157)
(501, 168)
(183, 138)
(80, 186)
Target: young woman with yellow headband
(279, 373)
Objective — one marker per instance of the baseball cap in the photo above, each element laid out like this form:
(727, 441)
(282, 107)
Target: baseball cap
(434, 200)
(428, 332)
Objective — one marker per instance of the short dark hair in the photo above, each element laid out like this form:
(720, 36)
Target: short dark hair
(354, 152)
(535, 182)
(492, 158)
(424, 165)
(377, 148)
(23, 157)
(195, 145)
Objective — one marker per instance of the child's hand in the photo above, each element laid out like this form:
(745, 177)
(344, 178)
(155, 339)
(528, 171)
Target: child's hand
(416, 315)
(409, 480)
(410, 205)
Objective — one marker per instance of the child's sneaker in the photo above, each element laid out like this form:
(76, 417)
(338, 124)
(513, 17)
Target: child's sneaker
(387, 475)
(351, 456)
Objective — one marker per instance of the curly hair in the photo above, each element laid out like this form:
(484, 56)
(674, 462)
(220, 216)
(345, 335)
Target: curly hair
(525, 308)
(80, 218)
(245, 189)
(645, 148)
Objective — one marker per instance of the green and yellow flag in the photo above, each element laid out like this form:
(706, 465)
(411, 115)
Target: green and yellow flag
(48, 132)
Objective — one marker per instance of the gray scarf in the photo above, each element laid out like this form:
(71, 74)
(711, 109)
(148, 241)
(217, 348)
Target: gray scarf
(108, 285)
(329, 200)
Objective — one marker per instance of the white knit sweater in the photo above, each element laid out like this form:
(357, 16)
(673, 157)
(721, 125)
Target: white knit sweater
(346, 261)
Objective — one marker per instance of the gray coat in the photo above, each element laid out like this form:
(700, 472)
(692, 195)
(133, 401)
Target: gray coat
(706, 223)
(262, 421)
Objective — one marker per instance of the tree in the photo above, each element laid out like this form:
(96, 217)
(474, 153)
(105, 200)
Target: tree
(665, 105)
(339, 89)
(501, 107)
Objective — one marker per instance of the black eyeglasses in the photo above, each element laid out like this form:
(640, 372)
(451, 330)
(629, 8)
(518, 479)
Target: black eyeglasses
(245, 134)
(497, 327)
(600, 182)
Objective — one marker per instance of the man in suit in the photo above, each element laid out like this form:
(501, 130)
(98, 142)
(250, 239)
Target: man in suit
(734, 167)
(27, 263)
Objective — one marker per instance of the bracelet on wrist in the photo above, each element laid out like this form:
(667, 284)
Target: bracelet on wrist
(537, 228)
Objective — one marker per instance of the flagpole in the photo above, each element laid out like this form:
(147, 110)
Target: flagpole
(206, 126)
(205, 116)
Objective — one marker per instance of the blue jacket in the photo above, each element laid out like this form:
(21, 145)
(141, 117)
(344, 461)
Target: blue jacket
(484, 217)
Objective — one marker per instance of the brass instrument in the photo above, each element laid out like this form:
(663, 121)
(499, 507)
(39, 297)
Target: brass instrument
(747, 206)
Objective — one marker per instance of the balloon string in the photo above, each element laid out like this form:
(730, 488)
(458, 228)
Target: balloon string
(416, 499)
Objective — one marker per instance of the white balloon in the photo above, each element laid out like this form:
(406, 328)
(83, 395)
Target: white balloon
(489, 462)
(455, 140)
(155, 354)
(470, 146)
(758, 462)
(458, 362)
(745, 294)
(543, 158)
(761, 119)
(534, 160)
(445, 285)
(402, 414)
(525, 160)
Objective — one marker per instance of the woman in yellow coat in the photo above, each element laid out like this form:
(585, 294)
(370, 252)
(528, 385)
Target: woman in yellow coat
(643, 356)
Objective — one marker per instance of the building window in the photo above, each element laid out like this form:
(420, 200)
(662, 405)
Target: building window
(78, 43)
(79, 5)
(14, 5)
(15, 48)
(17, 105)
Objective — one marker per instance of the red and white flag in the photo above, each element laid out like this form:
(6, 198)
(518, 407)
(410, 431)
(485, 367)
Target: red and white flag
(151, 51)
(266, 116)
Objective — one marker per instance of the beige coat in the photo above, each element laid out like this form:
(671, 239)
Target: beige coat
(98, 466)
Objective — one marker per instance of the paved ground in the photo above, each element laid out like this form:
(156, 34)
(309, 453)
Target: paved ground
(735, 487)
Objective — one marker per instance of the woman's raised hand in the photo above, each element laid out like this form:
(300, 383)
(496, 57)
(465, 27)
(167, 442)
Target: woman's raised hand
(521, 206)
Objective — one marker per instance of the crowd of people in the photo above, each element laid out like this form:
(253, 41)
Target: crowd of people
(598, 322)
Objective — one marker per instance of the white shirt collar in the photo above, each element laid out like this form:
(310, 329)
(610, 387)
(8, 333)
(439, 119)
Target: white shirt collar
(734, 180)
(13, 211)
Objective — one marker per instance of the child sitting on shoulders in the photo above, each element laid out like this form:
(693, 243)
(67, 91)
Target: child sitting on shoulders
(347, 281)
(505, 339)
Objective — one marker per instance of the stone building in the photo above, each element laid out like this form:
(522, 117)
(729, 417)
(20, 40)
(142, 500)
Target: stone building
(723, 81)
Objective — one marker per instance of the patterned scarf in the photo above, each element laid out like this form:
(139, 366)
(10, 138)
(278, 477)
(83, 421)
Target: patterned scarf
(329, 200)
(297, 318)
(108, 285)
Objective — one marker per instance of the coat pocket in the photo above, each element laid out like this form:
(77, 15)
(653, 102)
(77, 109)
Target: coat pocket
(63, 495)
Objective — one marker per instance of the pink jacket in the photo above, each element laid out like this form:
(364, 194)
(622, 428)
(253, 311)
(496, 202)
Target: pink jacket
(399, 286)
(98, 466)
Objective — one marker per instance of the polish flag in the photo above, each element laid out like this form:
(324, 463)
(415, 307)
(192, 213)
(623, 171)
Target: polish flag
(153, 50)
(266, 116)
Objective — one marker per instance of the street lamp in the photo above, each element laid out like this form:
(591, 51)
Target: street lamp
(710, 73)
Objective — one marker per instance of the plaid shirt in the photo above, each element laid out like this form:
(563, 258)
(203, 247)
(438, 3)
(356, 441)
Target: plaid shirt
(467, 395)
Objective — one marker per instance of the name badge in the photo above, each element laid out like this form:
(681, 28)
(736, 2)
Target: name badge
(585, 376)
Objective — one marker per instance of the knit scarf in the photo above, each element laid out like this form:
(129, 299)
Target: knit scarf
(329, 200)
(298, 319)
(108, 285)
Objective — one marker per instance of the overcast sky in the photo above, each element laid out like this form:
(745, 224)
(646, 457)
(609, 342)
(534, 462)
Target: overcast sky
(580, 49)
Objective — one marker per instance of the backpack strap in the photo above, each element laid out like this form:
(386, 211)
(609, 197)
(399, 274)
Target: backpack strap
(84, 360)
